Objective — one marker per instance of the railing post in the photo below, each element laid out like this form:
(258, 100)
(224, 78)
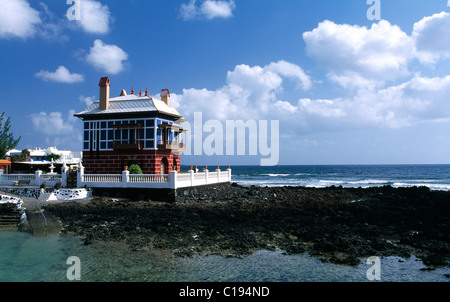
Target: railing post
(218, 174)
(191, 174)
(37, 177)
(80, 175)
(229, 173)
(206, 174)
(173, 179)
(64, 170)
(125, 178)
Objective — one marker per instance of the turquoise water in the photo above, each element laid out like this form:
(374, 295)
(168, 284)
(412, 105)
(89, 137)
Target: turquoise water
(24, 258)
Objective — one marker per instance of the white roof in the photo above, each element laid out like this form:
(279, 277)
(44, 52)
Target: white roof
(130, 104)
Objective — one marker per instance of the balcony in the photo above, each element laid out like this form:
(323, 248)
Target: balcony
(128, 145)
(172, 145)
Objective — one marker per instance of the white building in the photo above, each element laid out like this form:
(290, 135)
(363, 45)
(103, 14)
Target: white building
(40, 155)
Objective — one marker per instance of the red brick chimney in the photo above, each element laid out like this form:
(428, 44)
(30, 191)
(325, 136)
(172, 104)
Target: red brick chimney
(104, 93)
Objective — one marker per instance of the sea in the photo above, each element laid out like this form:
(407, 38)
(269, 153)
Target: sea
(436, 177)
(26, 258)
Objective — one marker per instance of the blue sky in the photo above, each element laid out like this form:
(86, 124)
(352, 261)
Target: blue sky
(345, 89)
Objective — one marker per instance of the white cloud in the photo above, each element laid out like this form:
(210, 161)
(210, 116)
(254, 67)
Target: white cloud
(209, 9)
(431, 37)
(60, 75)
(55, 129)
(86, 100)
(253, 93)
(188, 11)
(106, 57)
(371, 55)
(248, 94)
(217, 9)
(18, 19)
(95, 17)
(290, 70)
(416, 101)
(53, 124)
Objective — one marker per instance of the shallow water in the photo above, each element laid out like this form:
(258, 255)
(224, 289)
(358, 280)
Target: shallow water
(25, 258)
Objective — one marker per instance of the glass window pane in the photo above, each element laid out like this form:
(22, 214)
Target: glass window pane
(103, 135)
(149, 133)
(124, 133)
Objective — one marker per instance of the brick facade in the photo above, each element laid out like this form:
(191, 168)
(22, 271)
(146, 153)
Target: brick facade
(114, 162)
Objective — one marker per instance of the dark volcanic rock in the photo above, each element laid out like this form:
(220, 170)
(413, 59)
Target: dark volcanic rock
(335, 224)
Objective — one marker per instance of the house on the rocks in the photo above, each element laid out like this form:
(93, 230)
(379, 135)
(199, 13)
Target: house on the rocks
(131, 129)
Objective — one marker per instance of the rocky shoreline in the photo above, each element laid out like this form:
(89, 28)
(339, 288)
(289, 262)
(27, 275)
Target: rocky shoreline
(335, 224)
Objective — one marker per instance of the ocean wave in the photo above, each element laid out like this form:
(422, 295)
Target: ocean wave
(432, 186)
(348, 184)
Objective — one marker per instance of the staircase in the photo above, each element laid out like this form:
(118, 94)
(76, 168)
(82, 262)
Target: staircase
(10, 218)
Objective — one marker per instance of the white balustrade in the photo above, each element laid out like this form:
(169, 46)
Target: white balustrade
(148, 178)
(102, 178)
(51, 178)
(173, 180)
(18, 177)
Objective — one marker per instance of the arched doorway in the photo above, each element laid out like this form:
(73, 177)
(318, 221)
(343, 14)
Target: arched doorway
(175, 164)
(164, 166)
